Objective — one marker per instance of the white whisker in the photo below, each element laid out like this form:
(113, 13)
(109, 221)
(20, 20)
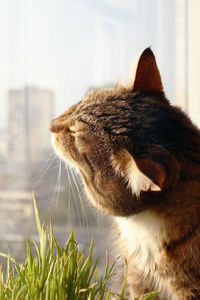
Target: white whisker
(74, 195)
(95, 212)
(48, 158)
(78, 187)
(57, 188)
(43, 174)
(68, 182)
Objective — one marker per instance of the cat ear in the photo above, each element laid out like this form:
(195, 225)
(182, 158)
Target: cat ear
(141, 175)
(147, 78)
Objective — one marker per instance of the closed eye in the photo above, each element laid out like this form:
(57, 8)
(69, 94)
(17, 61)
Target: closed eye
(72, 129)
(77, 127)
(75, 132)
(69, 130)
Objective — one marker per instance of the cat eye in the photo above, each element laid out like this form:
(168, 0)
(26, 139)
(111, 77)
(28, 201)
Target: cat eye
(73, 132)
(72, 129)
(69, 130)
(77, 127)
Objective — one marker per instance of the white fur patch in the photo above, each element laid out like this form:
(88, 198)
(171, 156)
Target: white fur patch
(137, 180)
(142, 234)
(124, 163)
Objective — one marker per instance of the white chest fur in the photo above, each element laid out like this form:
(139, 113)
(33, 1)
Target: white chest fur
(141, 235)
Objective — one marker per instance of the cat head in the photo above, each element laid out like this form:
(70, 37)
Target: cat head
(127, 143)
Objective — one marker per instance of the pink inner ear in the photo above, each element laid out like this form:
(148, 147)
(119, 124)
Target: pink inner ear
(147, 77)
(152, 170)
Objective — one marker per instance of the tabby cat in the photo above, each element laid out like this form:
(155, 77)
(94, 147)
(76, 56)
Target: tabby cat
(139, 159)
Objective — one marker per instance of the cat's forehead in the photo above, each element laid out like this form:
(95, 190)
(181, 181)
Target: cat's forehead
(104, 94)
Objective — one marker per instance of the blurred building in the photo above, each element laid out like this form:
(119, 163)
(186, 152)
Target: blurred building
(29, 113)
(4, 137)
(16, 211)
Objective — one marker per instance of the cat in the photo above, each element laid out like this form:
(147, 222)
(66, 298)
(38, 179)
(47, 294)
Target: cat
(139, 159)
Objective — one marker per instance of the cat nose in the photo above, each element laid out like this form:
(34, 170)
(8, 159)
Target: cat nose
(54, 126)
(51, 128)
(58, 124)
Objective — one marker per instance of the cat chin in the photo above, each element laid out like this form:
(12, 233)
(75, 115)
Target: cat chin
(54, 144)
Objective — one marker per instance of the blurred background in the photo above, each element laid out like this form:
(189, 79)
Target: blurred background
(51, 53)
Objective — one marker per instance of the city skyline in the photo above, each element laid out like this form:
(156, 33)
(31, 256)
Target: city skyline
(29, 112)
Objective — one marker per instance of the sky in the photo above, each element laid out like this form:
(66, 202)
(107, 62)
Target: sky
(49, 44)
(62, 46)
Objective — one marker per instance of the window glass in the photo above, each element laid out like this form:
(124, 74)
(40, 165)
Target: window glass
(52, 52)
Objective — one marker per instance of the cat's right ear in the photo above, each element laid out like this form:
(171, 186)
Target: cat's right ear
(141, 175)
(147, 78)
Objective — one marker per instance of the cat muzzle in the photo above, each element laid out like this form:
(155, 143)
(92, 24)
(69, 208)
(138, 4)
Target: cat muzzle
(57, 124)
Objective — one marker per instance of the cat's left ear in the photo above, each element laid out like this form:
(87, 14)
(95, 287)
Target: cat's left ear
(147, 78)
(141, 175)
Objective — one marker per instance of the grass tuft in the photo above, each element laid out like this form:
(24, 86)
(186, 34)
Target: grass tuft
(57, 273)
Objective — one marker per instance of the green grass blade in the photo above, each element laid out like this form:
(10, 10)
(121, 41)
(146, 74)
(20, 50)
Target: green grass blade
(37, 218)
(56, 273)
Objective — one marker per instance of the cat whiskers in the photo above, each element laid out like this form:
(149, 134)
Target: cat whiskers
(46, 158)
(57, 187)
(81, 195)
(45, 168)
(83, 198)
(70, 187)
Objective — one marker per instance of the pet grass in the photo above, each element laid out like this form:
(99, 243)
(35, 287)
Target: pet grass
(57, 273)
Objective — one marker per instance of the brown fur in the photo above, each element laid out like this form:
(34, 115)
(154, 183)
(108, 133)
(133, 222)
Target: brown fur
(163, 149)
